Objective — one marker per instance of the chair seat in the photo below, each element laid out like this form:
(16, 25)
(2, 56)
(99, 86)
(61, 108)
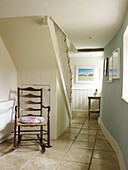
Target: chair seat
(31, 120)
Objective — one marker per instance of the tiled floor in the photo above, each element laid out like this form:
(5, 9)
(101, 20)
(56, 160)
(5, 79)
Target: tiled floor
(81, 147)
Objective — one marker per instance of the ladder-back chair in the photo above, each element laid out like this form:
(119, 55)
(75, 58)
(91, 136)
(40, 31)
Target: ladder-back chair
(29, 118)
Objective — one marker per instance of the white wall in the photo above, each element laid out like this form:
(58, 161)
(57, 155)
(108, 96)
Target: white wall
(80, 92)
(8, 84)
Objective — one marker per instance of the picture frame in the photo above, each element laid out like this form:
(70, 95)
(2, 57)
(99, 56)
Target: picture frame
(116, 63)
(105, 69)
(85, 74)
(110, 69)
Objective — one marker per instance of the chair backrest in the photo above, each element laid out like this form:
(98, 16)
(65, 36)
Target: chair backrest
(30, 101)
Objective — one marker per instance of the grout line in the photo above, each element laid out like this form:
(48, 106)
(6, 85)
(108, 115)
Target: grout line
(93, 150)
(29, 160)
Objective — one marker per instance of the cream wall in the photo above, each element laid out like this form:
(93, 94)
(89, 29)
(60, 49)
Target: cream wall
(80, 92)
(8, 84)
(8, 74)
(28, 42)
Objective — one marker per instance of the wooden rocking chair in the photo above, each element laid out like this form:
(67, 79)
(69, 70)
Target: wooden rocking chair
(29, 118)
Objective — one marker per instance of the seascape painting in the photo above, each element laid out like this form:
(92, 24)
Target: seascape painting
(85, 74)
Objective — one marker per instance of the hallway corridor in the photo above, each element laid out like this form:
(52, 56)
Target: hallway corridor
(81, 147)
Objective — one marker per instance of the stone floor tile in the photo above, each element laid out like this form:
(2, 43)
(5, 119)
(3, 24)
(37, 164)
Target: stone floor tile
(78, 120)
(86, 138)
(78, 155)
(86, 145)
(41, 163)
(101, 137)
(88, 131)
(103, 145)
(76, 125)
(100, 132)
(100, 164)
(15, 160)
(72, 130)
(66, 165)
(108, 155)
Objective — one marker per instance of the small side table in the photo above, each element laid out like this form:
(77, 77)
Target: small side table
(97, 97)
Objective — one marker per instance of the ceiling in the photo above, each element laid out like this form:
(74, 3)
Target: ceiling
(87, 23)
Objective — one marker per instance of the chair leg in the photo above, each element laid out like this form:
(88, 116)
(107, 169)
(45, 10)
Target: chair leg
(19, 137)
(15, 135)
(41, 131)
(48, 129)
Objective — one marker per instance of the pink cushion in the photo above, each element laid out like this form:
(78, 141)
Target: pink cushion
(31, 119)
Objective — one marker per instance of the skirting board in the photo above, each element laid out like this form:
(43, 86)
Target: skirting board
(114, 144)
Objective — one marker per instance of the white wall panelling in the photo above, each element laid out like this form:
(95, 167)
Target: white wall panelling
(80, 99)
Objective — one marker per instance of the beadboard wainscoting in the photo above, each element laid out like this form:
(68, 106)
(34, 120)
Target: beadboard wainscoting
(80, 99)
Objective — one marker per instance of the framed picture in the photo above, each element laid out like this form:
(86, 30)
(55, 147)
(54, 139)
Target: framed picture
(85, 74)
(110, 69)
(105, 70)
(116, 63)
